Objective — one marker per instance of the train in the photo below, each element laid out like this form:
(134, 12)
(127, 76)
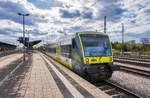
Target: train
(89, 54)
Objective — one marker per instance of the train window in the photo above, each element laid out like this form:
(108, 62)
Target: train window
(73, 43)
(66, 51)
(52, 50)
(96, 45)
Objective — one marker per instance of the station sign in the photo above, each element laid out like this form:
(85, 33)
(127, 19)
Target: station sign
(26, 39)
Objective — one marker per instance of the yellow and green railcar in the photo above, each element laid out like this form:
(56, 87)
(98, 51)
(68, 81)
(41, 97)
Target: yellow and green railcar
(89, 54)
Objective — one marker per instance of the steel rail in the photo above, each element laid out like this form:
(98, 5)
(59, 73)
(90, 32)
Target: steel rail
(115, 91)
(124, 90)
(133, 62)
(135, 70)
(130, 58)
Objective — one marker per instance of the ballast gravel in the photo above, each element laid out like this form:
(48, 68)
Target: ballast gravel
(135, 83)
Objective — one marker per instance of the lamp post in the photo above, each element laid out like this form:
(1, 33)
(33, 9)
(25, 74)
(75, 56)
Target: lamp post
(122, 38)
(23, 16)
(28, 42)
(28, 31)
(105, 24)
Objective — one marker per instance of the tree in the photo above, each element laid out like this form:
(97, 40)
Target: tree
(145, 42)
(139, 47)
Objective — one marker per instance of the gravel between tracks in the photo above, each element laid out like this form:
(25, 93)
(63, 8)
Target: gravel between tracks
(138, 84)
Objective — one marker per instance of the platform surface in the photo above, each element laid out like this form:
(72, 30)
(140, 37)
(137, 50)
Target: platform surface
(39, 83)
(6, 60)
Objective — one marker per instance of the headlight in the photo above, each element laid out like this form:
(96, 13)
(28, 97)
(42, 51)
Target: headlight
(87, 60)
(110, 59)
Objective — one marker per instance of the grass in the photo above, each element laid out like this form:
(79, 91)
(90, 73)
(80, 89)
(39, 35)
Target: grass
(146, 53)
(117, 52)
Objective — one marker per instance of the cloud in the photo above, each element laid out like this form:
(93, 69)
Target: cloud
(110, 8)
(54, 17)
(113, 12)
(46, 4)
(88, 15)
(9, 10)
(67, 14)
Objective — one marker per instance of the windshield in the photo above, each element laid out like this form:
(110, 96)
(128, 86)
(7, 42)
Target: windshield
(95, 45)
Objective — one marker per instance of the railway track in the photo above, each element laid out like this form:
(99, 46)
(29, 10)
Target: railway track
(130, 65)
(145, 73)
(135, 59)
(116, 91)
(133, 62)
(138, 57)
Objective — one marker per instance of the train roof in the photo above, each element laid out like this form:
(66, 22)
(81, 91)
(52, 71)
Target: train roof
(86, 32)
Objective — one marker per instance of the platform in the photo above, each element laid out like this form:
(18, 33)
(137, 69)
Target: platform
(40, 78)
(6, 60)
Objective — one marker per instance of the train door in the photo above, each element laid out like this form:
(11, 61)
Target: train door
(58, 50)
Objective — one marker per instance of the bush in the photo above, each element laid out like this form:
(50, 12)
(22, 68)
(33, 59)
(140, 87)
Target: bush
(145, 53)
(116, 53)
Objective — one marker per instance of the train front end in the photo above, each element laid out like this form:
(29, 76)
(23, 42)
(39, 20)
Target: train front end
(97, 57)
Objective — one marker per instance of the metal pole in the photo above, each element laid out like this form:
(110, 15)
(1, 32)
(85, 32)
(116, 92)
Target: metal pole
(47, 39)
(24, 37)
(105, 24)
(28, 42)
(23, 15)
(122, 38)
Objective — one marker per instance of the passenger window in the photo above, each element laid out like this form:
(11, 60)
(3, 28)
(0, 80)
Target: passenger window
(66, 51)
(73, 43)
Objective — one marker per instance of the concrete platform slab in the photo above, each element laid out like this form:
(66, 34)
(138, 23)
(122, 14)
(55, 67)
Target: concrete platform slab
(41, 83)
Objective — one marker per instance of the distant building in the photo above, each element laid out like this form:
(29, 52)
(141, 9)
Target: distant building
(131, 42)
(145, 40)
(6, 46)
(31, 43)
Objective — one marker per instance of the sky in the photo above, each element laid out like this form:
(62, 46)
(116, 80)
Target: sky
(50, 19)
